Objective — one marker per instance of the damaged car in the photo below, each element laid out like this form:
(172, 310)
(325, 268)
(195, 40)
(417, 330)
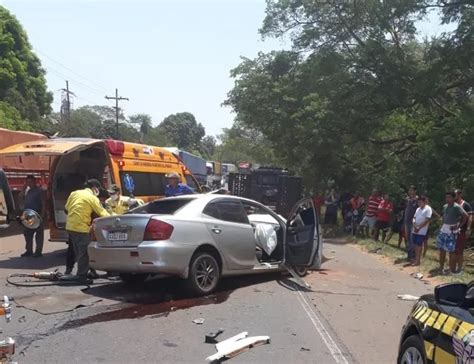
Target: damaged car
(202, 238)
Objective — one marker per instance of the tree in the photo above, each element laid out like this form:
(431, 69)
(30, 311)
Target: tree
(358, 100)
(183, 130)
(22, 79)
(144, 123)
(208, 146)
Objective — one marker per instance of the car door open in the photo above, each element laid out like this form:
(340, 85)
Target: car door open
(302, 242)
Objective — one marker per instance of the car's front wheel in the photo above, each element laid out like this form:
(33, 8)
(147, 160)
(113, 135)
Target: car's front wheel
(412, 351)
(204, 273)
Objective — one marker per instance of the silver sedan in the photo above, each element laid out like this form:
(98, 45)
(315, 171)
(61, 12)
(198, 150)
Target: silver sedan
(202, 238)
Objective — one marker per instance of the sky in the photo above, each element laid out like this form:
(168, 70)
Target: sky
(166, 56)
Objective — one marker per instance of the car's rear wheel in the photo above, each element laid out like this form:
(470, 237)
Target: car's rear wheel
(412, 351)
(204, 273)
(133, 279)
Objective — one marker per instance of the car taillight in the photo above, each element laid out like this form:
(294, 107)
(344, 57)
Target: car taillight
(92, 231)
(157, 230)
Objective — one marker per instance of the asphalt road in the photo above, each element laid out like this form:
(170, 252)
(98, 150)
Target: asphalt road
(351, 314)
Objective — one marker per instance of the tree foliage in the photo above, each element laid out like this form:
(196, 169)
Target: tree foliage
(183, 131)
(360, 100)
(23, 94)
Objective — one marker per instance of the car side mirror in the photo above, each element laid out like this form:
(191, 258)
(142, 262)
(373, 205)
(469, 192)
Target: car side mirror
(451, 294)
(7, 206)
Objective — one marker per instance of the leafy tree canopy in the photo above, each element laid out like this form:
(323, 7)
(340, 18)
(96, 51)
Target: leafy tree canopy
(22, 79)
(183, 130)
(359, 100)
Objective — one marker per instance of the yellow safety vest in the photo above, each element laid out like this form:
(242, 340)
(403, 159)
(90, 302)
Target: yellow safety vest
(121, 206)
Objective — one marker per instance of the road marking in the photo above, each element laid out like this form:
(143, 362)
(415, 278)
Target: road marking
(318, 325)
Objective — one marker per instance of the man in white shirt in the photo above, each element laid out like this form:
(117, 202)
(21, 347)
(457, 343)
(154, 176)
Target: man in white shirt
(421, 223)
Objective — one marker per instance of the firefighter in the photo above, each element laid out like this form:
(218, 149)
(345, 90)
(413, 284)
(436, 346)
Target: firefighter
(80, 206)
(117, 204)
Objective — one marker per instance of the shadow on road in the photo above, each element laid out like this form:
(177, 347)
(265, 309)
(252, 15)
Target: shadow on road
(48, 260)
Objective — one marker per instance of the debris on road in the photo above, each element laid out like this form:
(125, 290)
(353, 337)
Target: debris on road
(22, 319)
(236, 345)
(417, 275)
(304, 349)
(211, 337)
(198, 321)
(407, 297)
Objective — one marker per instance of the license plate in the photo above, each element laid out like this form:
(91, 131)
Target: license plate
(117, 236)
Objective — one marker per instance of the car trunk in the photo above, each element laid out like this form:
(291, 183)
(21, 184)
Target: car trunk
(121, 231)
(145, 223)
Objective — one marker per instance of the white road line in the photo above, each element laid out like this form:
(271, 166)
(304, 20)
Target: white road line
(318, 325)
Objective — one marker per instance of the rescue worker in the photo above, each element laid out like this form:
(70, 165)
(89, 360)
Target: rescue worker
(117, 204)
(34, 199)
(174, 188)
(80, 206)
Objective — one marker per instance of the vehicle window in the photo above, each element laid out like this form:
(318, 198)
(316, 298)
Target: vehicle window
(162, 207)
(227, 210)
(303, 216)
(268, 180)
(191, 183)
(255, 214)
(146, 184)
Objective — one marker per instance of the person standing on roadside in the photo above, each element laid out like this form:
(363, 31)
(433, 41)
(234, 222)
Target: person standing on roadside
(383, 215)
(412, 205)
(332, 203)
(421, 223)
(464, 233)
(454, 216)
(370, 217)
(174, 188)
(80, 206)
(34, 199)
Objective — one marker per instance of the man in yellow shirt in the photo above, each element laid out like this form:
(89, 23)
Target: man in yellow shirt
(80, 207)
(118, 204)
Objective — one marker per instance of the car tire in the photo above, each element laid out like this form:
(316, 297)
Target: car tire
(204, 274)
(133, 279)
(412, 348)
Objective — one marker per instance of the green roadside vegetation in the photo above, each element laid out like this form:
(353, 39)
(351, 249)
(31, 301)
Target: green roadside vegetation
(429, 262)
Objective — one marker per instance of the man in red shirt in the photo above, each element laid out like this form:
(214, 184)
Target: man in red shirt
(370, 217)
(384, 214)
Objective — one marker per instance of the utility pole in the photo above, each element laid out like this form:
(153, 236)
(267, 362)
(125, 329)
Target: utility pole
(117, 98)
(66, 104)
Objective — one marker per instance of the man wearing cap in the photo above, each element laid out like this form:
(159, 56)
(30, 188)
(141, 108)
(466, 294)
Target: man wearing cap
(117, 204)
(80, 206)
(174, 188)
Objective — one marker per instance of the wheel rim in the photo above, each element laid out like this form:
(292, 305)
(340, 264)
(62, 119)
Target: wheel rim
(412, 356)
(206, 273)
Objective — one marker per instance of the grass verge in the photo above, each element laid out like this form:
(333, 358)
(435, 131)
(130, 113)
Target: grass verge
(429, 263)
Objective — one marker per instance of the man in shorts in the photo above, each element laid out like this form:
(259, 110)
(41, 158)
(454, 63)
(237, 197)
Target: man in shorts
(421, 223)
(383, 215)
(454, 217)
(368, 222)
(412, 205)
(464, 233)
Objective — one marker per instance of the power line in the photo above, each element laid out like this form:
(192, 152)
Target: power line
(79, 83)
(117, 98)
(72, 71)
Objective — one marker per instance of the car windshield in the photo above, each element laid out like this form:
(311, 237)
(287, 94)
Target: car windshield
(162, 207)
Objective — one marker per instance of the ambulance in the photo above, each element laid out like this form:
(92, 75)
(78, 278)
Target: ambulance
(138, 169)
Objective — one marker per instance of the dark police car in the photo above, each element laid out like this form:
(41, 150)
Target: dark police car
(440, 328)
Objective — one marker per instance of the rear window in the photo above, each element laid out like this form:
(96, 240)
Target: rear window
(162, 207)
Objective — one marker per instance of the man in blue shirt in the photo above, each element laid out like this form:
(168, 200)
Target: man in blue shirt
(34, 199)
(174, 188)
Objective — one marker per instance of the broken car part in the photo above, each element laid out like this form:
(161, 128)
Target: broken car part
(211, 337)
(236, 345)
